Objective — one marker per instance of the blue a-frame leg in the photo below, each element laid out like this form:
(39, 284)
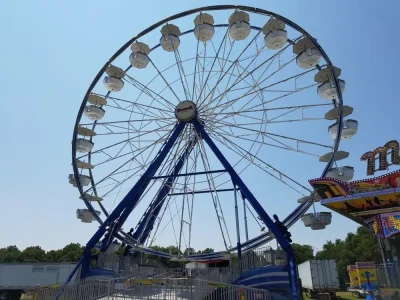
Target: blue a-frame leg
(117, 218)
(146, 224)
(119, 215)
(256, 205)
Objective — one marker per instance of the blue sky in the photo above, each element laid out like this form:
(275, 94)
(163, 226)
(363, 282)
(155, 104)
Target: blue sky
(51, 52)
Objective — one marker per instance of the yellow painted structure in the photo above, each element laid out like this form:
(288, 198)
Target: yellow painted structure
(357, 276)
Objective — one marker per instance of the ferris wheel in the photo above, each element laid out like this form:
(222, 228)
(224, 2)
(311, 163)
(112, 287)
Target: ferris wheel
(197, 126)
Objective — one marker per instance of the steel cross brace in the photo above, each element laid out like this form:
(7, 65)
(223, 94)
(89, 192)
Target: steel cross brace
(146, 223)
(125, 207)
(256, 205)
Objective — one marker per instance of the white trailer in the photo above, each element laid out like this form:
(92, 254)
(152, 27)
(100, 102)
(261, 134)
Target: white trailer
(16, 278)
(319, 276)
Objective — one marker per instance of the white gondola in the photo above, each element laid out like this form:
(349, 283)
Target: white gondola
(85, 180)
(308, 58)
(85, 215)
(276, 39)
(114, 71)
(91, 198)
(327, 90)
(84, 146)
(275, 34)
(113, 84)
(303, 199)
(86, 131)
(239, 25)
(97, 100)
(139, 60)
(344, 174)
(317, 221)
(94, 112)
(333, 113)
(313, 198)
(139, 57)
(350, 128)
(83, 165)
(170, 37)
(339, 155)
(204, 29)
(308, 55)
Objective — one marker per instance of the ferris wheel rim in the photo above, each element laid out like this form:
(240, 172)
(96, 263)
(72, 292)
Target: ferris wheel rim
(302, 207)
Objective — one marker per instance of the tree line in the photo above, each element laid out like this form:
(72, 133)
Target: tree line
(358, 246)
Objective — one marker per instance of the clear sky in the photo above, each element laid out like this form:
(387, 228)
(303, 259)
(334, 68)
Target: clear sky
(51, 51)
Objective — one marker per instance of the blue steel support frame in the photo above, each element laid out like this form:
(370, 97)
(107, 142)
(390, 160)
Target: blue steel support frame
(146, 223)
(125, 207)
(257, 207)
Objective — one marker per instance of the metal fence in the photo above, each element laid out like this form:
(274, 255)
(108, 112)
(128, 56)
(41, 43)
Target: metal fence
(388, 275)
(140, 288)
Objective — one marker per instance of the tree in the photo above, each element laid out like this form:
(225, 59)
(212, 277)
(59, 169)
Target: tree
(189, 251)
(359, 246)
(208, 250)
(33, 254)
(10, 254)
(72, 252)
(302, 252)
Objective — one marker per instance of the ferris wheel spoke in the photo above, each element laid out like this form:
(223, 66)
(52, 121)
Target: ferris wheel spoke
(166, 110)
(268, 62)
(246, 111)
(182, 75)
(149, 92)
(130, 111)
(124, 141)
(173, 188)
(281, 146)
(126, 162)
(146, 163)
(265, 133)
(195, 70)
(129, 121)
(156, 112)
(166, 82)
(223, 74)
(214, 195)
(266, 88)
(259, 163)
(254, 107)
(212, 66)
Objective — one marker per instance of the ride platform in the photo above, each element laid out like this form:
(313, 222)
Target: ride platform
(374, 202)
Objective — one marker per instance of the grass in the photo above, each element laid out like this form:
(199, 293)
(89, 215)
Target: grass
(349, 296)
(341, 295)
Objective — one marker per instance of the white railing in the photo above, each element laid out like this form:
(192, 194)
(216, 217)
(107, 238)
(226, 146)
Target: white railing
(160, 289)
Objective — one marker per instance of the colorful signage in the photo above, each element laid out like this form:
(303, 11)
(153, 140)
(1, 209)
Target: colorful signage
(385, 225)
(391, 147)
(362, 200)
(353, 276)
(358, 277)
(374, 201)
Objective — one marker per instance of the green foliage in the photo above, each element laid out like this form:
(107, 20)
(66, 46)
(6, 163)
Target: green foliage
(359, 246)
(303, 252)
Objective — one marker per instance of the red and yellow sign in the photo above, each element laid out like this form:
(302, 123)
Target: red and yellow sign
(363, 199)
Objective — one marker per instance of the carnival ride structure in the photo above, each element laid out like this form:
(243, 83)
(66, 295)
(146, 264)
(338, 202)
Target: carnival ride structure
(201, 109)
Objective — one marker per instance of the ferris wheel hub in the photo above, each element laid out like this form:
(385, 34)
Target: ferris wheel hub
(186, 111)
